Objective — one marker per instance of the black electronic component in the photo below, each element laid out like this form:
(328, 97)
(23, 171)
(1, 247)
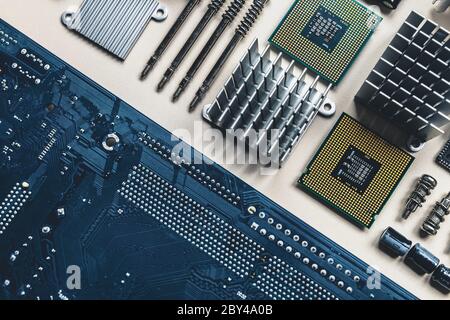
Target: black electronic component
(443, 158)
(394, 243)
(241, 32)
(356, 169)
(325, 29)
(432, 224)
(228, 17)
(213, 9)
(441, 277)
(182, 18)
(421, 259)
(391, 4)
(423, 189)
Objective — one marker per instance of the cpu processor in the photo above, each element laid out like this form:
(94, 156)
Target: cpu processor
(325, 35)
(355, 171)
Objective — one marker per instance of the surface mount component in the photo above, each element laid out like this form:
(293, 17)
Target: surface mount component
(114, 25)
(182, 18)
(326, 35)
(410, 85)
(443, 158)
(355, 171)
(433, 223)
(423, 189)
(89, 182)
(267, 105)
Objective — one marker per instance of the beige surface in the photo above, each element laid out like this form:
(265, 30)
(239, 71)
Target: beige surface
(40, 20)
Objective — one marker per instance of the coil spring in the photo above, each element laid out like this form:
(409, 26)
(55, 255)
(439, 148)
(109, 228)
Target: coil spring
(423, 189)
(233, 9)
(216, 4)
(251, 16)
(433, 222)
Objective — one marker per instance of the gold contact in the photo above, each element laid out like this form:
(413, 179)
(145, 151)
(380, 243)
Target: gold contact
(331, 65)
(361, 207)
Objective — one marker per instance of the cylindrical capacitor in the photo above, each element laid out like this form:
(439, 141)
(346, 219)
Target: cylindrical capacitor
(391, 4)
(395, 243)
(422, 259)
(441, 277)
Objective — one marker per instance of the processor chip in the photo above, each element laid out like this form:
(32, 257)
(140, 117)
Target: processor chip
(355, 171)
(325, 29)
(325, 35)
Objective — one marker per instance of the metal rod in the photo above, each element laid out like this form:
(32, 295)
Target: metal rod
(241, 32)
(228, 17)
(169, 37)
(213, 9)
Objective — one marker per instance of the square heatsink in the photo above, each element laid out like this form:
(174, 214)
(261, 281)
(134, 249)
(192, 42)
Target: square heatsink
(326, 36)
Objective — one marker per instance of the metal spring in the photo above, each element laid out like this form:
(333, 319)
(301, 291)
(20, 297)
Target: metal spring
(216, 4)
(423, 189)
(433, 223)
(233, 9)
(251, 16)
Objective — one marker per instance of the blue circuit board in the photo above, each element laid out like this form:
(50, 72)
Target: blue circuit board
(91, 188)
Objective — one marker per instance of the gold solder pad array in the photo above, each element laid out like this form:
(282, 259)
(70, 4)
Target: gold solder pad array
(330, 65)
(361, 208)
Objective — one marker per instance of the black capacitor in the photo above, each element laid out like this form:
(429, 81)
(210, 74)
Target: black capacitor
(441, 277)
(423, 259)
(395, 243)
(391, 4)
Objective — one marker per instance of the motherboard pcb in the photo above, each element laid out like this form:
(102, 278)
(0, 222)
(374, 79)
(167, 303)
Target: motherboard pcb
(326, 35)
(100, 202)
(355, 171)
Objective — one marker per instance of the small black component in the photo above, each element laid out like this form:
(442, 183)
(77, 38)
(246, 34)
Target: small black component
(443, 158)
(356, 169)
(423, 189)
(432, 224)
(441, 277)
(394, 243)
(325, 29)
(422, 259)
(391, 4)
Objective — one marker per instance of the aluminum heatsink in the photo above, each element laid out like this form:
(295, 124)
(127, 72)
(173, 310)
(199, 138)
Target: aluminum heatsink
(268, 104)
(115, 25)
(410, 84)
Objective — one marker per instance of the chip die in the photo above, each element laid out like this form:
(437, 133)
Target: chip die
(355, 171)
(325, 35)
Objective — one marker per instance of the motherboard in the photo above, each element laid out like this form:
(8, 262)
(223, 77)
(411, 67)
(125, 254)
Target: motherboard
(99, 202)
